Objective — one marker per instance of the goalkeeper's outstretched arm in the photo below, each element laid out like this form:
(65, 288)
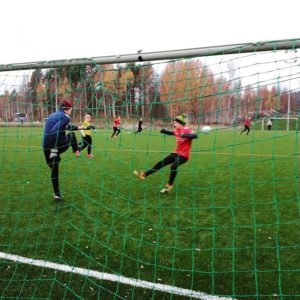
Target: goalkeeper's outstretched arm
(164, 131)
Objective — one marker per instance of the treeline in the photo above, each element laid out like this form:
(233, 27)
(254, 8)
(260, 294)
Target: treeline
(105, 90)
(138, 90)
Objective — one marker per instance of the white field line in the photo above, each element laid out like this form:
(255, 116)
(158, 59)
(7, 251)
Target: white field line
(111, 277)
(164, 151)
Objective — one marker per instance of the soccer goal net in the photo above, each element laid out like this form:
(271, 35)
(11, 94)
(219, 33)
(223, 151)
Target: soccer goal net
(151, 206)
(280, 123)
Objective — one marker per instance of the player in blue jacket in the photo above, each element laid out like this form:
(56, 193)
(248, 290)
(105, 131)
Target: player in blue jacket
(56, 141)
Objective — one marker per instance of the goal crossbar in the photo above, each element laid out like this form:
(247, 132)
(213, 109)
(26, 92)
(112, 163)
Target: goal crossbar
(161, 55)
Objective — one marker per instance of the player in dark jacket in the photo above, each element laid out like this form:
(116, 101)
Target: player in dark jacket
(140, 123)
(56, 141)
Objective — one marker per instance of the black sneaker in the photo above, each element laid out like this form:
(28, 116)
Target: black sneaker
(57, 198)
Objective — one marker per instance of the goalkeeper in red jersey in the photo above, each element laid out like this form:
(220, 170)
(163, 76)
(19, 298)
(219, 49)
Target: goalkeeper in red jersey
(181, 154)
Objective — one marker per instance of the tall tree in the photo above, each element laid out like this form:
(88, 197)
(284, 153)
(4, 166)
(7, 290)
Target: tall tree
(188, 86)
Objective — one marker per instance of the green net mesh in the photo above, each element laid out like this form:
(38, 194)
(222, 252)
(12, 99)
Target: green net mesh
(228, 229)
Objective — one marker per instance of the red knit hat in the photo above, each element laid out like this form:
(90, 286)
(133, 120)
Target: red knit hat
(65, 104)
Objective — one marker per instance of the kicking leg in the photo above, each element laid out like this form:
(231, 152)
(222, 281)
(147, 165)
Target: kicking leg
(166, 161)
(72, 141)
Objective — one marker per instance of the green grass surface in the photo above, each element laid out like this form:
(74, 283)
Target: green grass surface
(229, 227)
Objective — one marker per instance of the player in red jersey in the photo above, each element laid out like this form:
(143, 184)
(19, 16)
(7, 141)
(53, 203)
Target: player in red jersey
(116, 127)
(181, 154)
(247, 125)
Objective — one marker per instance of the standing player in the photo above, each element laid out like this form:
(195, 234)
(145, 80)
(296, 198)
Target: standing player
(116, 127)
(181, 154)
(86, 136)
(269, 124)
(55, 141)
(140, 123)
(247, 125)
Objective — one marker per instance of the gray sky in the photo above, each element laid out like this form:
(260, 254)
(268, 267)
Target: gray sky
(34, 30)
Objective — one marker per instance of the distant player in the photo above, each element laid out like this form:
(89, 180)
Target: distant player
(116, 127)
(269, 124)
(247, 125)
(140, 123)
(86, 136)
(181, 154)
(56, 141)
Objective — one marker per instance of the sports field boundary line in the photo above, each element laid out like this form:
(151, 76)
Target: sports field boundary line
(112, 277)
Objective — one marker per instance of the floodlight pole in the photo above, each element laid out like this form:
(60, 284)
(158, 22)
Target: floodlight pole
(55, 80)
(289, 102)
(289, 62)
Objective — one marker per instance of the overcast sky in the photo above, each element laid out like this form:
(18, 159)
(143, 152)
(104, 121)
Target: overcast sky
(34, 30)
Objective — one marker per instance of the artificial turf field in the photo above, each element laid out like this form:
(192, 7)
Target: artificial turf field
(230, 227)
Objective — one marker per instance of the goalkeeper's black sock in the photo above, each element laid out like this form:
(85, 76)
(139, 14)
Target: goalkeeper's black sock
(54, 178)
(55, 185)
